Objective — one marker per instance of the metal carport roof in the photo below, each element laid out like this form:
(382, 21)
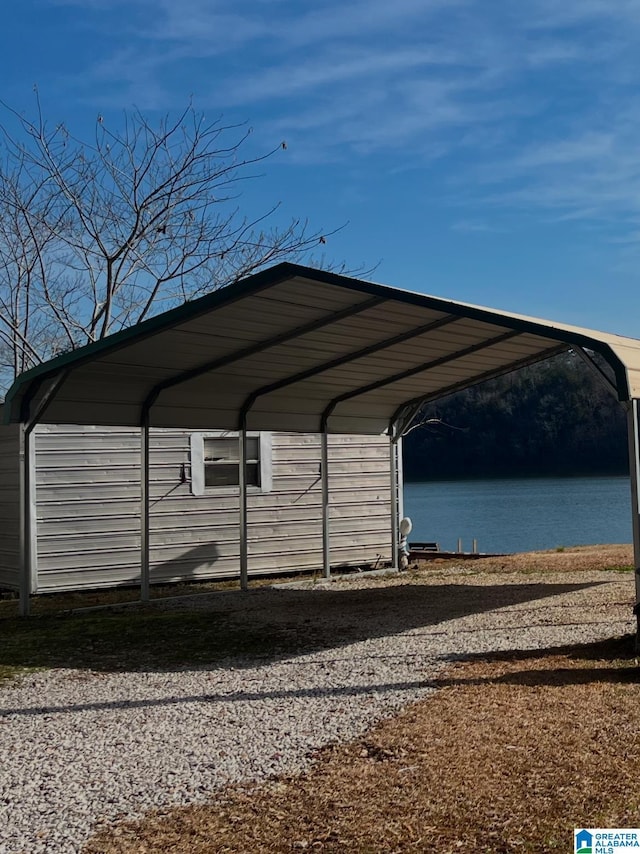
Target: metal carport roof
(298, 349)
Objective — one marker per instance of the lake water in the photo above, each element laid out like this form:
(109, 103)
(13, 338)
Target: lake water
(520, 514)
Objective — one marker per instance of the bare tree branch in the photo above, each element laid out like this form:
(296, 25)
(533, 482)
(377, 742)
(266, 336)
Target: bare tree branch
(97, 236)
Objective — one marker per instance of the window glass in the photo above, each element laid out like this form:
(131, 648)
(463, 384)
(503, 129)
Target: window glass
(215, 461)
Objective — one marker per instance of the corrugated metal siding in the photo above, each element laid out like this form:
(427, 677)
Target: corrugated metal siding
(9, 506)
(87, 505)
(88, 508)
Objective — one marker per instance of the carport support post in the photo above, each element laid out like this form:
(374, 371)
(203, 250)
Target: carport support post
(28, 581)
(26, 532)
(244, 532)
(634, 472)
(324, 472)
(144, 510)
(395, 529)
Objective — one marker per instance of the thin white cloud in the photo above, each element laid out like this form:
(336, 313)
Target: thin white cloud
(357, 20)
(529, 101)
(556, 51)
(474, 227)
(340, 67)
(550, 14)
(588, 148)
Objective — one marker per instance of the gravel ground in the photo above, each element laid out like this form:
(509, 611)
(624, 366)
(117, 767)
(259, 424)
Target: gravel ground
(78, 748)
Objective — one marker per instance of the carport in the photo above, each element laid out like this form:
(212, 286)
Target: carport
(303, 350)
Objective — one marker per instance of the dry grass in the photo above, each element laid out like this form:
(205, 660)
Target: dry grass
(570, 559)
(575, 558)
(508, 756)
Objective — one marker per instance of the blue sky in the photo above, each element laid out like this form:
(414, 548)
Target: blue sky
(482, 151)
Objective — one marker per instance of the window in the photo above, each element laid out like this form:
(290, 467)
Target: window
(215, 461)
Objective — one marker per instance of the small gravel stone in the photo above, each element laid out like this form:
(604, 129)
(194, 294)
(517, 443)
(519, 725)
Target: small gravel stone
(80, 750)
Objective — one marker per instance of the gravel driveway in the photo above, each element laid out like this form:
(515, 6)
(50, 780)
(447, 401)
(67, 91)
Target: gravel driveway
(78, 748)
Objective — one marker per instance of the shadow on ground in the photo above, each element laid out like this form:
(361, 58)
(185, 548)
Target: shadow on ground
(618, 648)
(254, 627)
(613, 661)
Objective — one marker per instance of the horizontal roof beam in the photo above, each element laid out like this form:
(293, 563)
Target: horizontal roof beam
(479, 378)
(410, 372)
(407, 335)
(259, 347)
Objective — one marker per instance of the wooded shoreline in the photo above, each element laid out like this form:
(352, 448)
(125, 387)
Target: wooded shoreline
(553, 418)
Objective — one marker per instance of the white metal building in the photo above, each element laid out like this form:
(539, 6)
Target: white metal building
(85, 506)
(297, 350)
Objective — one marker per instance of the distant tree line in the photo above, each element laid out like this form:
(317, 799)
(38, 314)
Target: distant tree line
(552, 418)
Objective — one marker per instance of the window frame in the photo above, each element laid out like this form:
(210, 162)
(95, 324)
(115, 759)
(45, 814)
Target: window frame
(198, 465)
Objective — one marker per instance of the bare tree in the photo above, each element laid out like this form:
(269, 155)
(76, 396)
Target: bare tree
(95, 237)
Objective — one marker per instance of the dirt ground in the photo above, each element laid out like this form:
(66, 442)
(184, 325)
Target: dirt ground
(514, 751)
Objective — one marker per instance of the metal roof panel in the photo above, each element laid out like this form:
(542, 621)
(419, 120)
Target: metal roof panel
(289, 344)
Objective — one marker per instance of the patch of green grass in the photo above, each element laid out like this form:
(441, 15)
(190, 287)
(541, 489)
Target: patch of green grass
(55, 603)
(618, 568)
(8, 672)
(140, 639)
